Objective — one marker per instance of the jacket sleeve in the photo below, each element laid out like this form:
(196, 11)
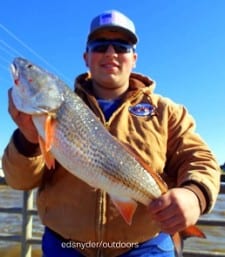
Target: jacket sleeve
(22, 171)
(190, 159)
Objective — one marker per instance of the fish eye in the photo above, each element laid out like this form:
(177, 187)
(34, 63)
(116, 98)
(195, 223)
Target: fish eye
(29, 66)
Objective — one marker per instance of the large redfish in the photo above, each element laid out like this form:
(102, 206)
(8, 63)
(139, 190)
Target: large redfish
(71, 133)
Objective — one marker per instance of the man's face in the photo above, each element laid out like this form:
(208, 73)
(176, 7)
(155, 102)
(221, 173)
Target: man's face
(110, 68)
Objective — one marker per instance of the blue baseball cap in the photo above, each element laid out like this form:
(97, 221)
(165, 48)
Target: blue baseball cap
(114, 21)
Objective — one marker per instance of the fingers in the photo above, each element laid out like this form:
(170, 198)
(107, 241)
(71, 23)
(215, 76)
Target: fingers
(166, 213)
(175, 210)
(156, 205)
(160, 204)
(168, 218)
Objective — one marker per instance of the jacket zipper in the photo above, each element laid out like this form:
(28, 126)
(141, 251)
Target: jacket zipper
(101, 220)
(101, 202)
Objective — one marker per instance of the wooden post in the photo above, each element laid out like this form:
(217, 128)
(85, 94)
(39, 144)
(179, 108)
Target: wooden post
(26, 247)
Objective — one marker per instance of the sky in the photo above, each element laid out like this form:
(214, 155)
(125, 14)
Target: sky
(181, 46)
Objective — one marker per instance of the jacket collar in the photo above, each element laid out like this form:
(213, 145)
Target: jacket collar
(137, 82)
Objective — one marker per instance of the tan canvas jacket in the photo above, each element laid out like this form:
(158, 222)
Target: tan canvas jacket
(165, 139)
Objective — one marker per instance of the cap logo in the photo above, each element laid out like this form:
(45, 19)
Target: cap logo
(143, 109)
(106, 19)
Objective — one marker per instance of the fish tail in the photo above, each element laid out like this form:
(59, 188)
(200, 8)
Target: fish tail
(192, 231)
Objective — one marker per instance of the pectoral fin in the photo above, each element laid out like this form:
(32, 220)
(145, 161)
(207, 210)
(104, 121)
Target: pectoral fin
(49, 131)
(126, 207)
(48, 157)
(47, 142)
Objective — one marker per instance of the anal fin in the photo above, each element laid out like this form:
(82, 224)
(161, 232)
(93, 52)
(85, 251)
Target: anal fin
(126, 207)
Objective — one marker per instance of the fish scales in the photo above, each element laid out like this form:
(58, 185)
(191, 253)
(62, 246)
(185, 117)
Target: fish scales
(80, 142)
(96, 151)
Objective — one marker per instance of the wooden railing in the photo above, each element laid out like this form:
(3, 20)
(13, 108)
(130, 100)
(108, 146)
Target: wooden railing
(207, 222)
(27, 240)
(27, 211)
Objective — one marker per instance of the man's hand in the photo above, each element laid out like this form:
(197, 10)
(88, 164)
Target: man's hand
(23, 121)
(175, 210)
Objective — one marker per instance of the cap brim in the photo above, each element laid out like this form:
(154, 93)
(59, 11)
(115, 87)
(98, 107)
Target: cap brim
(130, 36)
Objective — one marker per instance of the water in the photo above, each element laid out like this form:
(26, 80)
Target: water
(11, 224)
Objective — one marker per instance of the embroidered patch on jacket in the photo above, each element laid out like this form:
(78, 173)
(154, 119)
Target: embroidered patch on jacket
(143, 109)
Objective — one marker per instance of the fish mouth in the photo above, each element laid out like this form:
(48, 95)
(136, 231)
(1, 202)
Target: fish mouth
(14, 69)
(15, 73)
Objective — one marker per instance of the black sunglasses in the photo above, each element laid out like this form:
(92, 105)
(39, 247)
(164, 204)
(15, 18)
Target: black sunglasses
(101, 46)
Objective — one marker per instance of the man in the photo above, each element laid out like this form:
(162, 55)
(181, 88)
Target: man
(81, 221)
